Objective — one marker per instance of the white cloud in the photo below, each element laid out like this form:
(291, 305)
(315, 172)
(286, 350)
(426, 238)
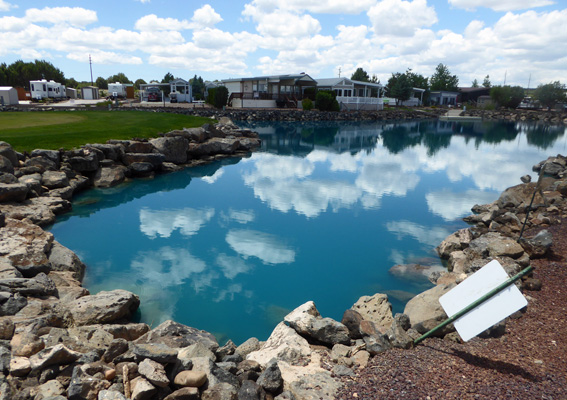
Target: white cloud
(452, 205)
(500, 5)
(75, 16)
(144, 1)
(242, 216)
(206, 17)
(401, 18)
(258, 8)
(5, 6)
(162, 223)
(423, 234)
(152, 23)
(266, 247)
(294, 26)
(232, 266)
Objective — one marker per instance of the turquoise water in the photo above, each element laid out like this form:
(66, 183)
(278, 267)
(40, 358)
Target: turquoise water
(321, 213)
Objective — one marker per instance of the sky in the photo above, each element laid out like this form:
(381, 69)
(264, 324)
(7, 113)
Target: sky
(514, 42)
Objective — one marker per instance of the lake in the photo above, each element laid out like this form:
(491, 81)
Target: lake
(322, 212)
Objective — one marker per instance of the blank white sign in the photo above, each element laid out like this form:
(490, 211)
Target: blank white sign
(490, 312)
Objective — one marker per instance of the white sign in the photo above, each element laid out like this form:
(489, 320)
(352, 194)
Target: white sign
(490, 312)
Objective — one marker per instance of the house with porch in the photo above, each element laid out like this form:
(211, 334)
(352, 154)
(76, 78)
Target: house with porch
(354, 95)
(268, 91)
(182, 89)
(443, 98)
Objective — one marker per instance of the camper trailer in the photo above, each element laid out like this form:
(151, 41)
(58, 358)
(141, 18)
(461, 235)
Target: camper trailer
(45, 89)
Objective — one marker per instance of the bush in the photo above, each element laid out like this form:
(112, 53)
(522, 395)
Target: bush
(307, 104)
(310, 93)
(326, 101)
(218, 97)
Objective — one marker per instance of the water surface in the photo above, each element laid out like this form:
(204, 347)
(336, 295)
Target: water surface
(321, 213)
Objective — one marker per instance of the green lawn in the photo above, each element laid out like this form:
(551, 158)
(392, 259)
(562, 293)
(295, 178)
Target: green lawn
(27, 131)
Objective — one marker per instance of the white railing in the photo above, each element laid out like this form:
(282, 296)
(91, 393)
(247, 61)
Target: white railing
(361, 102)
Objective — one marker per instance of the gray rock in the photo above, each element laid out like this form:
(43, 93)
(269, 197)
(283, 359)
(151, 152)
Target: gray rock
(283, 344)
(7, 151)
(271, 379)
(187, 393)
(173, 148)
(196, 350)
(351, 319)
(315, 387)
(286, 395)
(139, 147)
(376, 344)
(539, 245)
(110, 395)
(13, 192)
(33, 182)
(63, 259)
(222, 391)
(104, 307)
(425, 312)
(215, 375)
(26, 344)
(6, 166)
(493, 244)
(44, 164)
(375, 308)
(54, 179)
(307, 321)
(142, 389)
(251, 390)
(38, 286)
(397, 333)
(50, 389)
(6, 328)
(141, 169)
(52, 155)
(116, 347)
(156, 159)
(342, 370)
(154, 372)
(454, 242)
(250, 345)
(8, 178)
(191, 134)
(5, 357)
(56, 355)
(11, 303)
(213, 146)
(176, 335)
(228, 349)
(110, 176)
(82, 160)
(158, 352)
(111, 151)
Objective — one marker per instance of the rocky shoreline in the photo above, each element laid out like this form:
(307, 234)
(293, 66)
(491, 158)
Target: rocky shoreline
(57, 341)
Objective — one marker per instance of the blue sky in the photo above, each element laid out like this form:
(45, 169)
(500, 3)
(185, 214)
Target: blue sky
(522, 41)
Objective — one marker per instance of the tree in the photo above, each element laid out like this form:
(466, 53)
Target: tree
(326, 100)
(507, 96)
(417, 80)
(401, 89)
(443, 80)
(72, 83)
(218, 96)
(119, 77)
(486, 83)
(167, 78)
(474, 83)
(138, 83)
(550, 94)
(360, 75)
(198, 87)
(20, 73)
(101, 83)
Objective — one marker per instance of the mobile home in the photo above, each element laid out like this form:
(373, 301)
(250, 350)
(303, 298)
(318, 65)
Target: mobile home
(44, 89)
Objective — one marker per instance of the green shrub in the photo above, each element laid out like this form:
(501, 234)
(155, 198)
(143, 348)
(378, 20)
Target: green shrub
(218, 97)
(326, 101)
(307, 104)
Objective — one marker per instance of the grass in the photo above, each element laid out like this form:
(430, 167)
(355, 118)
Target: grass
(27, 131)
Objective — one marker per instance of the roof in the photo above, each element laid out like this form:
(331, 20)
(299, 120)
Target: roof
(295, 77)
(342, 81)
(6, 88)
(473, 89)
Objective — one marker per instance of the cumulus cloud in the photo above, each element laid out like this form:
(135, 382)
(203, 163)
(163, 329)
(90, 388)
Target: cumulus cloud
(162, 223)
(500, 5)
(205, 17)
(153, 23)
(424, 234)
(268, 248)
(451, 205)
(258, 8)
(232, 266)
(5, 6)
(401, 18)
(74, 16)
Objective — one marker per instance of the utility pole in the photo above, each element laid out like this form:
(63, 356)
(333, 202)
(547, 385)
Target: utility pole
(91, 65)
(505, 73)
(339, 72)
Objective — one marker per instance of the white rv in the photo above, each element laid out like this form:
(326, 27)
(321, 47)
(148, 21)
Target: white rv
(44, 89)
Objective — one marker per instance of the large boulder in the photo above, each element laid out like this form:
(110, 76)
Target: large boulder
(39, 210)
(54, 179)
(213, 146)
(375, 308)
(104, 307)
(111, 151)
(83, 160)
(52, 155)
(173, 148)
(26, 246)
(63, 259)
(6, 166)
(156, 159)
(425, 311)
(539, 245)
(493, 244)
(7, 151)
(283, 344)
(456, 241)
(176, 335)
(13, 192)
(307, 321)
(110, 176)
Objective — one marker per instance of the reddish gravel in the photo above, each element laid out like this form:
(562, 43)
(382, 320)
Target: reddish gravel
(528, 362)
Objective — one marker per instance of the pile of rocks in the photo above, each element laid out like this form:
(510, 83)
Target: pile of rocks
(39, 186)
(553, 117)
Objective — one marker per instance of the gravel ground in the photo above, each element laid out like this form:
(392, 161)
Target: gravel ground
(528, 362)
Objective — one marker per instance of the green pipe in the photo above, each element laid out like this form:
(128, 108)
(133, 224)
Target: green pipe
(475, 304)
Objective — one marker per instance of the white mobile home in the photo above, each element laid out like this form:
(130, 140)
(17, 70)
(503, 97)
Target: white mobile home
(354, 95)
(45, 89)
(8, 96)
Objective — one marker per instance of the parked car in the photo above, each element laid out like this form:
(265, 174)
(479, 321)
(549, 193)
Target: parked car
(173, 97)
(154, 94)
